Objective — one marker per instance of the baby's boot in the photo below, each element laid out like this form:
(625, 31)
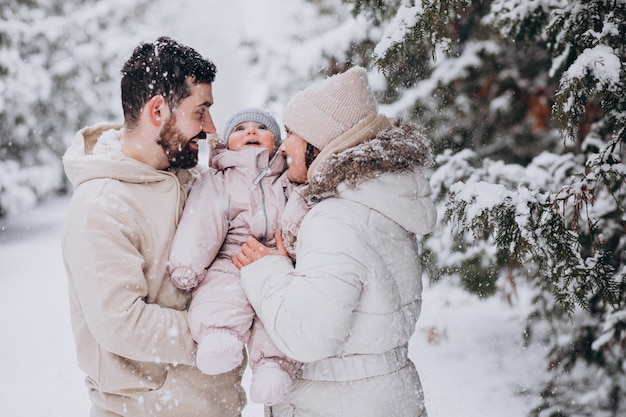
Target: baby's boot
(219, 352)
(270, 384)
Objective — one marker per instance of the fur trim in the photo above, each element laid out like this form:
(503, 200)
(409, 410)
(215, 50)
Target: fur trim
(215, 142)
(365, 129)
(398, 149)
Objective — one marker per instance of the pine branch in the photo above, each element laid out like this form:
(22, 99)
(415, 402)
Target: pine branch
(430, 25)
(538, 233)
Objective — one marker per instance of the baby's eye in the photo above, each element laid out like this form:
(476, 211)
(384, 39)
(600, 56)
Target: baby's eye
(262, 126)
(239, 127)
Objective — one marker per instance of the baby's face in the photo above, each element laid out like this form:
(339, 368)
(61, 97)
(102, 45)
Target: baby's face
(251, 135)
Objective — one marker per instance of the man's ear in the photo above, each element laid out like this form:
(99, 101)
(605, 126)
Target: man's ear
(155, 108)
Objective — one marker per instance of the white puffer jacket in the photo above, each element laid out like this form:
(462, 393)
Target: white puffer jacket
(349, 306)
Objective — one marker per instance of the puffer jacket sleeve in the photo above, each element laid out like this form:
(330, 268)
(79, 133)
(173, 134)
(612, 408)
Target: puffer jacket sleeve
(308, 310)
(201, 231)
(114, 294)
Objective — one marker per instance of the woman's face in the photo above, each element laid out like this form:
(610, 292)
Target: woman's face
(294, 149)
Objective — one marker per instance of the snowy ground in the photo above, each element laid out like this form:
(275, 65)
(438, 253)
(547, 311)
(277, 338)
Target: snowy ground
(477, 368)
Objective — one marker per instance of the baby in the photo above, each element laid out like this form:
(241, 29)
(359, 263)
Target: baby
(243, 192)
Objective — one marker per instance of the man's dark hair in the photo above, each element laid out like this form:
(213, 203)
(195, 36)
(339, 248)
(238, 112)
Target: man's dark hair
(161, 68)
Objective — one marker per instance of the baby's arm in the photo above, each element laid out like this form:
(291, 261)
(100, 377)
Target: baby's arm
(201, 231)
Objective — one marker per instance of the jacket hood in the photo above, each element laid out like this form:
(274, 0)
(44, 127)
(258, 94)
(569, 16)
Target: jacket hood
(398, 149)
(383, 173)
(96, 152)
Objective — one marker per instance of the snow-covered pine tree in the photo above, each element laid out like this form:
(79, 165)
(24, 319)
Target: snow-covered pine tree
(59, 65)
(585, 43)
(529, 198)
(524, 102)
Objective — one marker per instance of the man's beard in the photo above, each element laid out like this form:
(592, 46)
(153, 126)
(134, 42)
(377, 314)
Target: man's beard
(176, 145)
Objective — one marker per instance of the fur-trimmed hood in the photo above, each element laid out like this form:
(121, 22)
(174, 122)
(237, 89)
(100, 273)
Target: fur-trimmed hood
(383, 173)
(398, 149)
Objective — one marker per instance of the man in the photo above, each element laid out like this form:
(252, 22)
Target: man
(130, 185)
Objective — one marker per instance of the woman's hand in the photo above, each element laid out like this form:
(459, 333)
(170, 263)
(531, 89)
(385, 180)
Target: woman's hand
(253, 250)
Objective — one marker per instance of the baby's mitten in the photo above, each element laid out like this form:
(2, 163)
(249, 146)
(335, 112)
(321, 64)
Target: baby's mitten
(219, 352)
(270, 384)
(184, 279)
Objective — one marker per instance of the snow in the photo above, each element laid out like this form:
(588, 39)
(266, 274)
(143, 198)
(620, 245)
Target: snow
(406, 18)
(481, 195)
(600, 61)
(469, 351)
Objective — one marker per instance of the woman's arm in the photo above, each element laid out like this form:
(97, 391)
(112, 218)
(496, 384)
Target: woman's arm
(308, 309)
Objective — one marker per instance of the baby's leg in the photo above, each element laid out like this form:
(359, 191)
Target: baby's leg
(220, 319)
(272, 371)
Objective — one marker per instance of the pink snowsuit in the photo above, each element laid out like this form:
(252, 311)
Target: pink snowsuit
(224, 208)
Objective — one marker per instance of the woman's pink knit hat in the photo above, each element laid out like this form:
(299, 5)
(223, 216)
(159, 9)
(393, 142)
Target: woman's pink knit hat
(327, 109)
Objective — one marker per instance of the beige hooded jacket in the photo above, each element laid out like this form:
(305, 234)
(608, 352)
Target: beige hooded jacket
(129, 320)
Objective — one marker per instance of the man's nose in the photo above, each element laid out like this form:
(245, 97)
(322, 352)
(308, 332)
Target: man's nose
(207, 124)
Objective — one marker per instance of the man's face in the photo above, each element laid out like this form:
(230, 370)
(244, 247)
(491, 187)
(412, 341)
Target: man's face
(181, 152)
(187, 124)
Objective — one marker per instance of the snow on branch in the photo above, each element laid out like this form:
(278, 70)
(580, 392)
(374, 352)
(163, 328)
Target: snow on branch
(533, 226)
(595, 74)
(426, 22)
(395, 32)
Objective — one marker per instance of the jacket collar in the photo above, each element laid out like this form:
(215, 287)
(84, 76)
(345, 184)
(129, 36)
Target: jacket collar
(397, 149)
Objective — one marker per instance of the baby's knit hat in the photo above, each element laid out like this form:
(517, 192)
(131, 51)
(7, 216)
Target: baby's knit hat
(253, 115)
(327, 109)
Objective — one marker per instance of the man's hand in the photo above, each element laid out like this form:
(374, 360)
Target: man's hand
(253, 250)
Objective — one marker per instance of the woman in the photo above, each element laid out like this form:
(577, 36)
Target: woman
(348, 308)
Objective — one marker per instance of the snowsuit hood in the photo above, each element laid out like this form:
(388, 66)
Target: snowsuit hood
(221, 158)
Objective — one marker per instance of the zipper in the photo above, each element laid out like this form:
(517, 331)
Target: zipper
(257, 181)
(265, 171)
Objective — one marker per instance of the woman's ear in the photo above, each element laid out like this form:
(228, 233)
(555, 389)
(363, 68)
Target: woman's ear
(156, 109)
